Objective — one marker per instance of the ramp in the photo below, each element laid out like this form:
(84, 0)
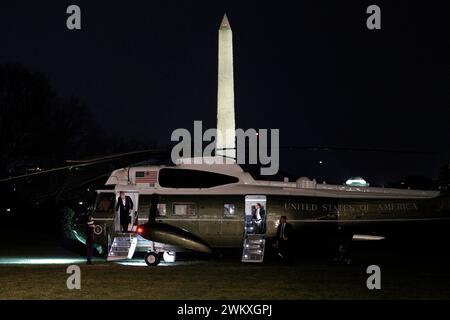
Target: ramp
(123, 247)
(253, 248)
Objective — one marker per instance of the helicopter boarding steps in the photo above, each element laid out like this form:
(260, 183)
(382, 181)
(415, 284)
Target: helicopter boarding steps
(123, 247)
(253, 248)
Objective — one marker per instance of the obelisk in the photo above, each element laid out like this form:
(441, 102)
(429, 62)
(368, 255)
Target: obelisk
(226, 141)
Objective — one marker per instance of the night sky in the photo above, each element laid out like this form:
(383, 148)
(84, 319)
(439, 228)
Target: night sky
(310, 68)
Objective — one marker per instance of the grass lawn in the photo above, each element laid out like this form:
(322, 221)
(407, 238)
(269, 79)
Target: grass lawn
(403, 276)
(223, 280)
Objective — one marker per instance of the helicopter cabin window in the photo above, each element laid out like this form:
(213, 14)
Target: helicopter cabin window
(229, 210)
(185, 178)
(161, 209)
(145, 205)
(184, 209)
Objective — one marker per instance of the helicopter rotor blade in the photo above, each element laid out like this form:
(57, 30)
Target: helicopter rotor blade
(85, 163)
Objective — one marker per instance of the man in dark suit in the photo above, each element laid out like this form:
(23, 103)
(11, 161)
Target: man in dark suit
(284, 234)
(260, 214)
(125, 207)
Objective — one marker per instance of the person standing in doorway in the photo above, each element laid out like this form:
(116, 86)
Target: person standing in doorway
(125, 208)
(260, 219)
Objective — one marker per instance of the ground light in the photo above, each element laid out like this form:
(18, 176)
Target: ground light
(34, 261)
(68, 261)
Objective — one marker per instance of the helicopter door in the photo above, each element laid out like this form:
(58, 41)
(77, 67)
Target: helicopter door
(132, 217)
(254, 243)
(255, 214)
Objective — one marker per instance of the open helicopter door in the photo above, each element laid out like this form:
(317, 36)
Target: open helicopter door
(125, 241)
(132, 217)
(255, 228)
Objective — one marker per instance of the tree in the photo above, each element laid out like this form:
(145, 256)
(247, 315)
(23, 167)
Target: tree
(39, 128)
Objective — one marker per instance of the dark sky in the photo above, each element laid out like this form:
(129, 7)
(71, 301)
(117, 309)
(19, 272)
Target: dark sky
(310, 68)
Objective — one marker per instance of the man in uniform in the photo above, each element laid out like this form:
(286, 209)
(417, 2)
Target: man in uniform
(90, 239)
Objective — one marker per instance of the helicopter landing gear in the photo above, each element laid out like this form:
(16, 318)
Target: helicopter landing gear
(152, 259)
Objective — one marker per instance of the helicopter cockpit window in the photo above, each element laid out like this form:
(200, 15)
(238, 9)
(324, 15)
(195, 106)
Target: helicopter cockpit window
(229, 210)
(185, 178)
(105, 203)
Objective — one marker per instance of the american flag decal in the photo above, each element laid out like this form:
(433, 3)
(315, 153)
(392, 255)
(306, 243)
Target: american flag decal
(149, 177)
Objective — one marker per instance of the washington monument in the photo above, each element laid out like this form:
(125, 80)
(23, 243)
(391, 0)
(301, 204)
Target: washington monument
(226, 144)
(226, 136)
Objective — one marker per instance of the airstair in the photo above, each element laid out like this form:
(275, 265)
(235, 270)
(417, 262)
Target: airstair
(253, 248)
(123, 247)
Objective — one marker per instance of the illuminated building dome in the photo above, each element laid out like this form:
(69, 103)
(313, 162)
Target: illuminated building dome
(357, 182)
